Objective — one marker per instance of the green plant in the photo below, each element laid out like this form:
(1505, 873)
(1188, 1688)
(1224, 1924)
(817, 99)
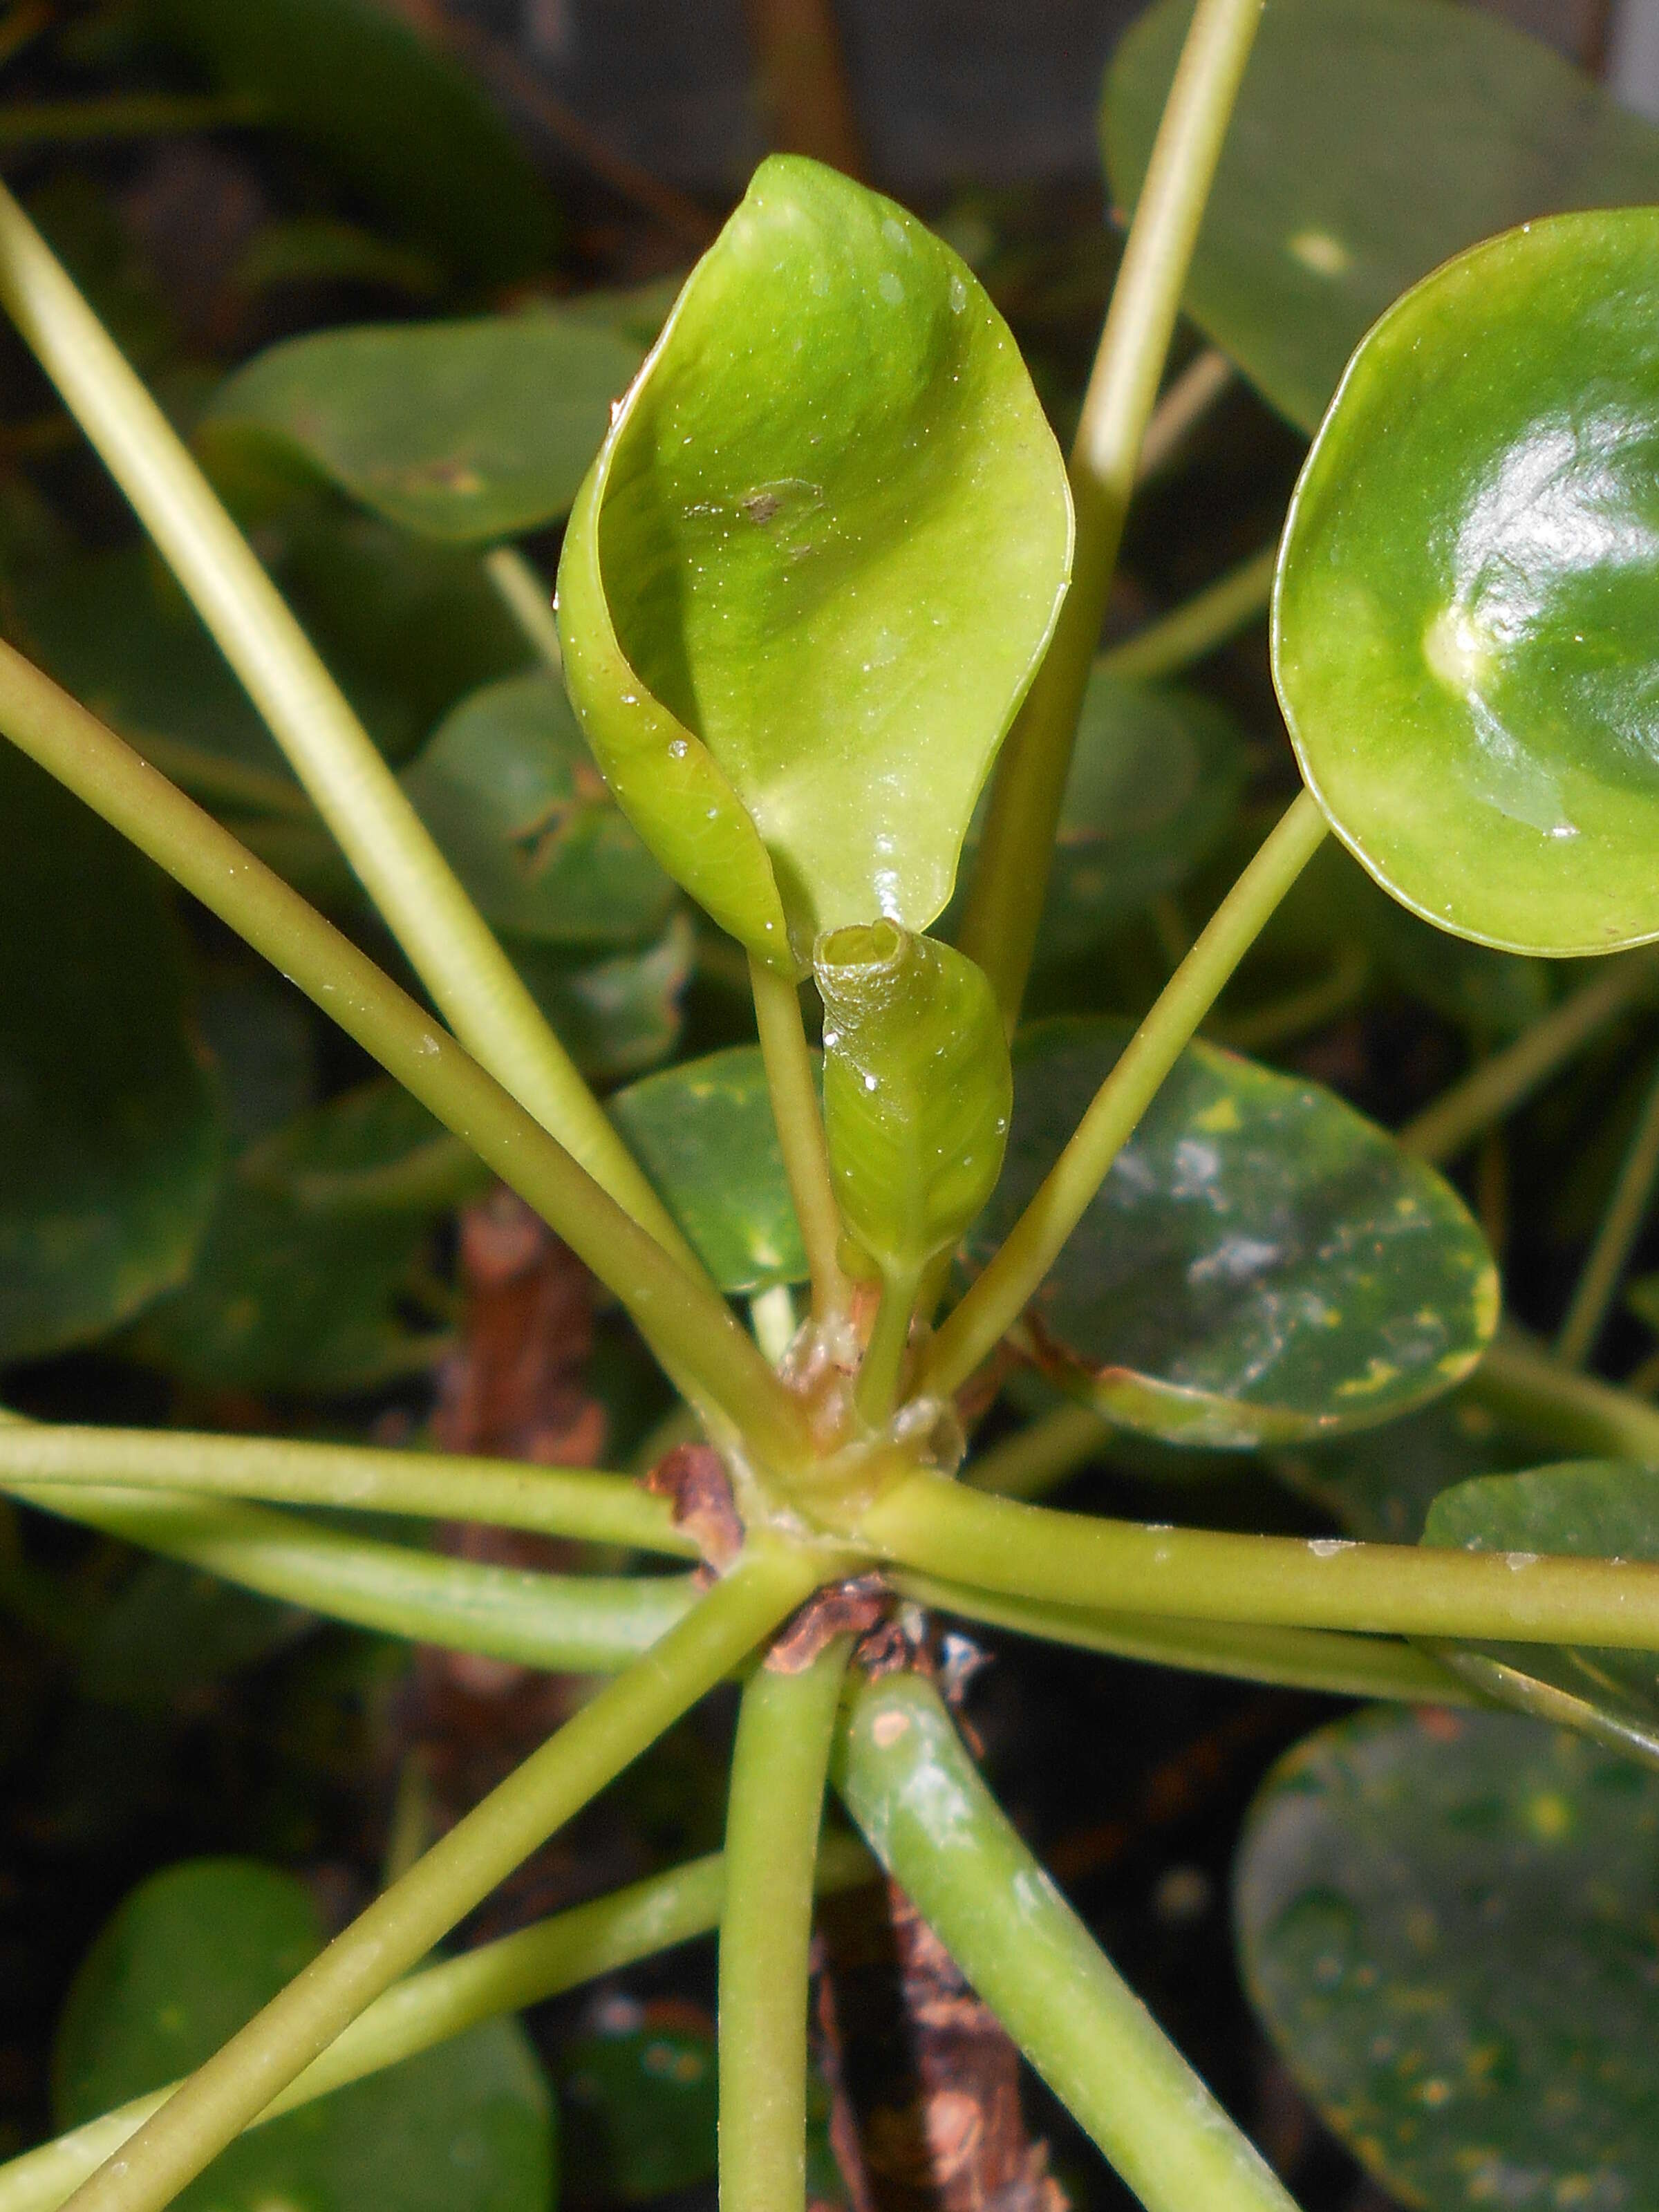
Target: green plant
(827, 575)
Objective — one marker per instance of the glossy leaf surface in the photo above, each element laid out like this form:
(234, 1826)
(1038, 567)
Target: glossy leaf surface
(1261, 1265)
(467, 431)
(189, 1956)
(815, 566)
(703, 1132)
(508, 786)
(917, 1091)
(298, 1284)
(110, 1130)
(1464, 625)
(1600, 1509)
(1372, 140)
(405, 126)
(1446, 1921)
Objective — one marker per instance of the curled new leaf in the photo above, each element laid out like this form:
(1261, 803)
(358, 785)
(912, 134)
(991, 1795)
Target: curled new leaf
(815, 566)
(917, 1091)
(1465, 623)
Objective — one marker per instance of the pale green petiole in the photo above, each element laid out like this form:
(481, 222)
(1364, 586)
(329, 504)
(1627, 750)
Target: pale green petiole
(450, 947)
(930, 1819)
(444, 2001)
(402, 1925)
(774, 1803)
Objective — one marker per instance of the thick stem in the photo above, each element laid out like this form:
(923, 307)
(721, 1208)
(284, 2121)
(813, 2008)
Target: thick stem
(529, 599)
(1206, 621)
(1011, 876)
(779, 1765)
(1621, 1224)
(472, 983)
(943, 1527)
(1497, 1085)
(1289, 1658)
(1038, 1457)
(566, 1624)
(799, 1121)
(429, 2007)
(402, 1925)
(930, 1819)
(1528, 1388)
(680, 1313)
(597, 1509)
(997, 1299)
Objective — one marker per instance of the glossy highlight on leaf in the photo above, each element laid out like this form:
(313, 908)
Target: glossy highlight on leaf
(508, 786)
(1446, 1925)
(917, 1091)
(703, 1132)
(189, 1956)
(815, 566)
(1468, 600)
(111, 1136)
(1372, 140)
(1593, 1508)
(1260, 1266)
(464, 431)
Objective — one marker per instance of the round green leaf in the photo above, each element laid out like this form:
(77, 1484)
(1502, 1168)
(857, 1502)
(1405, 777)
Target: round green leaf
(299, 1281)
(467, 431)
(1378, 1484)
(1372, 140)
(1261, 1265)
(1446, 1923)
(397, 119)
(111, 1136)
(1464, 624)
(815, 566)
(703, 1132)
(1598, 1509)
(508, 786)
(189, 1957)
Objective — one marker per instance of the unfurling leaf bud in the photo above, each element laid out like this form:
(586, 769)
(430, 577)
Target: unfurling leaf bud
(917, 1091)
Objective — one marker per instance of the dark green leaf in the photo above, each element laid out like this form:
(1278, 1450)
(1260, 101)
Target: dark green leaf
(112, 1135)
(407, 128)
(1378, 1484)
(172, 1632)
(1600, 1509)
(465, 431)
(317, 249)
(1156, 780)
(640, 2110)
(1261, 1265)
(1447, 1924)
(618, 1015)
(298, 1285)
(1372, 140)
(815, 566)
(408, 627)
(704, 1133)
(508, 789)
(1464, 624)
(189, 1957)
